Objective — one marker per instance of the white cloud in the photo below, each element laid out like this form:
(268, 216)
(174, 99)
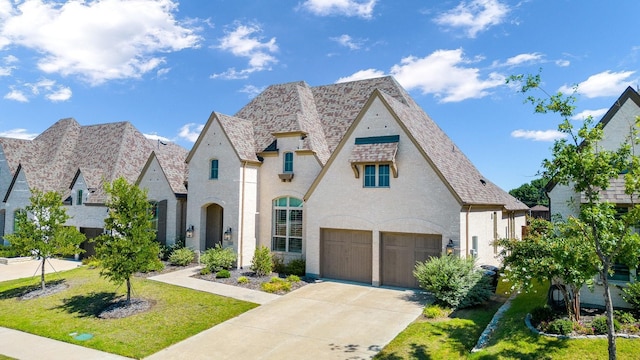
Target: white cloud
(363, 9)
(563, 62)
(606, 83)
(190, 132)
(595, 114)
(538, 135)
(6, 65)
(155, 136)
(16, 95)
(251, 90)
(520, 59)
(47, 87)
(474, 16)
(97, 40)
(362, 75)
(244, 42)
(18, 134)
(444, 74)
(347, 41)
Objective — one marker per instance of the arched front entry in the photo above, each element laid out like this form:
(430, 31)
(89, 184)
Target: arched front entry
(213, 225)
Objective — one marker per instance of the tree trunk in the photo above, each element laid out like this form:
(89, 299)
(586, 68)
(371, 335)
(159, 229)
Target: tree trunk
(611, 333)
(568, 302)
(42, 283)
(575, 301)
(128, 291)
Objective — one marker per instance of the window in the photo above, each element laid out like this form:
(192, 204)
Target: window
(154, 216)
(376, 175)
(214, 169)
(79, 199)
(287, 225)
(620, 273)
(288, 162)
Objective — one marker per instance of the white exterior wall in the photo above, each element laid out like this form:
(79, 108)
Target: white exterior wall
(18, 199)
(248, 198)
(158, 189)
(203, 191)
(5, 180)
(305, 169)
(618, 129)
(88, 216)
(417, 201)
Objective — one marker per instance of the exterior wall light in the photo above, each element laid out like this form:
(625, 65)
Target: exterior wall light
(190, 231)
(227, 235)
(450, 247)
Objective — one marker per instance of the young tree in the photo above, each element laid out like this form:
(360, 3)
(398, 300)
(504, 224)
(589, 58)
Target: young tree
(128, 245)
(40, 229)
(580, 162)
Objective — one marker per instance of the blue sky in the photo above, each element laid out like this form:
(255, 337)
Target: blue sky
(165, 66)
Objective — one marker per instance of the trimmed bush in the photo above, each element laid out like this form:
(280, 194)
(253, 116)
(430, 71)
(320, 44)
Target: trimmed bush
(8, 251)
(434, 312)
(599, 325)
(276, 285)
(560, 327)
(262, 263)
(624, 317)
(453, 281)
(243, 280)
(217, 258)
(182, 257)
(542, 314)
(278, 264)
(167, 250)
(296, 267)
(223, 274)
(293, 278)
(155, 265)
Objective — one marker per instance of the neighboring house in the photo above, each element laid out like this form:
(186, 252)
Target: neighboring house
(76, 161)
(540, 212)
(617, 125)
(353, 177)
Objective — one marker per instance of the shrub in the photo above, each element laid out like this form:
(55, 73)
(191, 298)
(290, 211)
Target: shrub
(434, 311)
(624, 317)
(8, 251)
(560, 326)
(278, 264)
(276, 285)
(262, 263)
(182, 257)
(223, 274)
(218, 258)
(91, 262)
(205, 271)
(293, 278)
(167, 250)
(631, 294)
(542, 314)
(453, 281)
(599, 325)
(296, 267)
(243, 280)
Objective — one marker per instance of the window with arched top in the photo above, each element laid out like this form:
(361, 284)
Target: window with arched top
(287, 225)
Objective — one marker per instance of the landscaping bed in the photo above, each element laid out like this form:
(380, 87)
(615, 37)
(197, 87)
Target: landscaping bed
(253, 281)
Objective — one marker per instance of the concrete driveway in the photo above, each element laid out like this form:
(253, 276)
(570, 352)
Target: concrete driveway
(325, 320)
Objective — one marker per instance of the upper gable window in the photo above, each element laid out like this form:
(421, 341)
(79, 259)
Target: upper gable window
(288, 162)
(213, 174)
(79, 198)
(376, 175)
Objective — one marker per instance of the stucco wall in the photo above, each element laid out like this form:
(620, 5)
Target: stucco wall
(89, 216)
(18, 199)
(416, 202)
(305, 169)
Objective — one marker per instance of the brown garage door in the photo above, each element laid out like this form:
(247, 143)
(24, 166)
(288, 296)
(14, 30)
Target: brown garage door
(401, 251)
(345, 254)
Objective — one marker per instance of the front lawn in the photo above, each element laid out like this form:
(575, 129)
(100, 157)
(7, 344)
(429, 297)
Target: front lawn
(177, 313)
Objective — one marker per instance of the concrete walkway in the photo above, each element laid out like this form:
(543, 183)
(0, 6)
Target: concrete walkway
(325, 320)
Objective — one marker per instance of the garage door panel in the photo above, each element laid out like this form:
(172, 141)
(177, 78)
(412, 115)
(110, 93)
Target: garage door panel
(401, 251)
(346, 254)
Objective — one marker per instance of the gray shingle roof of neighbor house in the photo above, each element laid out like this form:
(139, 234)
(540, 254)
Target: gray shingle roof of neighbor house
(101, 153)
(326, 113)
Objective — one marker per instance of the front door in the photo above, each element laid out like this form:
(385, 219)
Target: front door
(213, 234)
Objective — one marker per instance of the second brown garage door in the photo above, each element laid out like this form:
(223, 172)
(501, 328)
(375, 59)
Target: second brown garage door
(401, 251)
(345, 254)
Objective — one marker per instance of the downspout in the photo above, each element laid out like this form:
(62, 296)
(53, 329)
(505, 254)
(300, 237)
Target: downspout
(241, 229)
(466, 251)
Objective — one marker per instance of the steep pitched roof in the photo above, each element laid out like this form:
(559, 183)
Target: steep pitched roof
(172, 157)
(17, 150)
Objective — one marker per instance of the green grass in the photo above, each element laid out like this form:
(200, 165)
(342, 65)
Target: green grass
(177, 312)
(454, 337)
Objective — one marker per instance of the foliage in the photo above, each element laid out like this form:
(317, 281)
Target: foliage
(276, 285)
(218, 258)
(599, 325)
(278, 264)
(167, 250)
(542, 314)
(8, 251)
(624, 317)
(182, 257)
(296, 267)
(560, 327)
(128, 245)
(550, 251)
(205, 271)
(223, 274)
(179, 313)
(262, 263)
(434, 311)
(151, 266)
(581, 161)
(631, 294)
(40, 230)
(453, 281)
(293, 278)
(532, 193)
(243, 280)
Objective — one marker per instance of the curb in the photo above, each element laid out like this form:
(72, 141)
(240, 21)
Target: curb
(493, 324)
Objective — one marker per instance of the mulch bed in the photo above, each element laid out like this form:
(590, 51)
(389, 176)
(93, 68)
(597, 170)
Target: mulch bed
(254, 281)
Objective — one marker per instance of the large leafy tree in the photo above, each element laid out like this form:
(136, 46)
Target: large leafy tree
(128, 244)
(579, 161)
(532, 193)
(40, 230)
